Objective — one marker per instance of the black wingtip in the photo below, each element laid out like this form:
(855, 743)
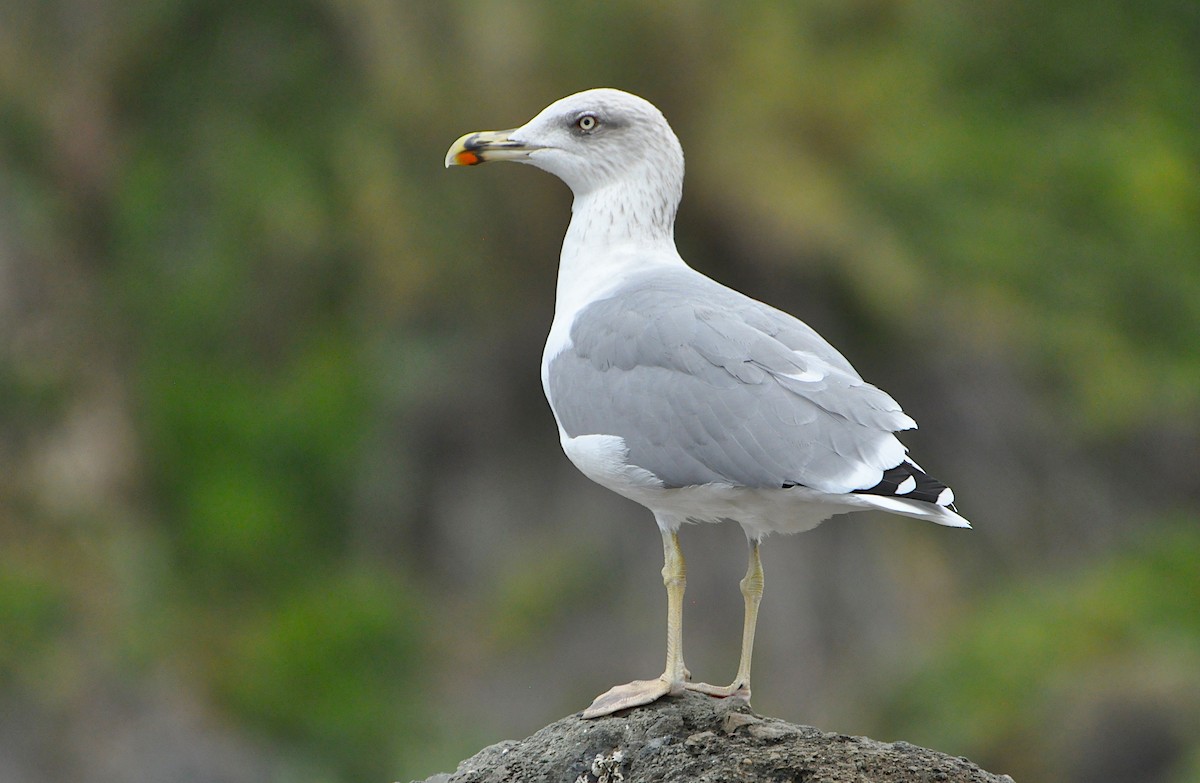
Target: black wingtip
(908, 481)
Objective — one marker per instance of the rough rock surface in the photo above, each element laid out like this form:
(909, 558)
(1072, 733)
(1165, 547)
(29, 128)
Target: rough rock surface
(701, 740)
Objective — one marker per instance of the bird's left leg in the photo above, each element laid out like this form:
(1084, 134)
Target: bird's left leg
(752, 590)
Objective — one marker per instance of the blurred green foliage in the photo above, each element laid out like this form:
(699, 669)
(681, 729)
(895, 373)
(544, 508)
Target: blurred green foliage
(1055, 651)
(229, 223)
(540, 592)
(34, 610)
(322, 668)
(1034, 166)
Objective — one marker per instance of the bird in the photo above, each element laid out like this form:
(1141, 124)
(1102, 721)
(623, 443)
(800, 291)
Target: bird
(692, 399)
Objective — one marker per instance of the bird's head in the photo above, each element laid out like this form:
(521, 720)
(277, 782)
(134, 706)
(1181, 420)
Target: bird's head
(588, 140)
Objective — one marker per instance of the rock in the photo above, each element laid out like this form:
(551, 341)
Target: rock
(698, 739)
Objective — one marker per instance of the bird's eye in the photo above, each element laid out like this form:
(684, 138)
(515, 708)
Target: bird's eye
(587, 122)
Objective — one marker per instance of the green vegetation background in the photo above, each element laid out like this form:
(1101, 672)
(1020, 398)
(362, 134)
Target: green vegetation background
(279, 498)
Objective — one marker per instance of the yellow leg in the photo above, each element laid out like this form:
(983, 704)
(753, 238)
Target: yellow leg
(673, 679)
(674, 575)
(752, 590)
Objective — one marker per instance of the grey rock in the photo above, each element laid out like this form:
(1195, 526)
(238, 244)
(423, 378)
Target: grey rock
(698, 739)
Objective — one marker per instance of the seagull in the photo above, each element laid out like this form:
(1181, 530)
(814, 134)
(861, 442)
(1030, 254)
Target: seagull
(681, 394)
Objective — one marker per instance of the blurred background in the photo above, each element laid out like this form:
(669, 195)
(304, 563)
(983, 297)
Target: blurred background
(280, 498)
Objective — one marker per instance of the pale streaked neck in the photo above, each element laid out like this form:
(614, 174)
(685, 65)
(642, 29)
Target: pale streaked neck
(641, 209)
(614, 232)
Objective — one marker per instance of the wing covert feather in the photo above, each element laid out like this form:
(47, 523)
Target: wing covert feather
(706, 385)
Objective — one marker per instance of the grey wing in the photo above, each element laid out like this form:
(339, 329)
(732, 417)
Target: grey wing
(706, 385)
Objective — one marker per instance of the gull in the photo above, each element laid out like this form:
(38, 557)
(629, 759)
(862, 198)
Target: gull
(681, 394)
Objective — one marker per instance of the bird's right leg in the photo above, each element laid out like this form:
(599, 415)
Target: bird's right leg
(752, 590)
(673, 678)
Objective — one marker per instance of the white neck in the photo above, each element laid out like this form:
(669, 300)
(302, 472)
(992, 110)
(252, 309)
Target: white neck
(615, 230)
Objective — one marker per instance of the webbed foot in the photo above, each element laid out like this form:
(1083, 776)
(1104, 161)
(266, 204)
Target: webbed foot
(633, 694)
(737, 690)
